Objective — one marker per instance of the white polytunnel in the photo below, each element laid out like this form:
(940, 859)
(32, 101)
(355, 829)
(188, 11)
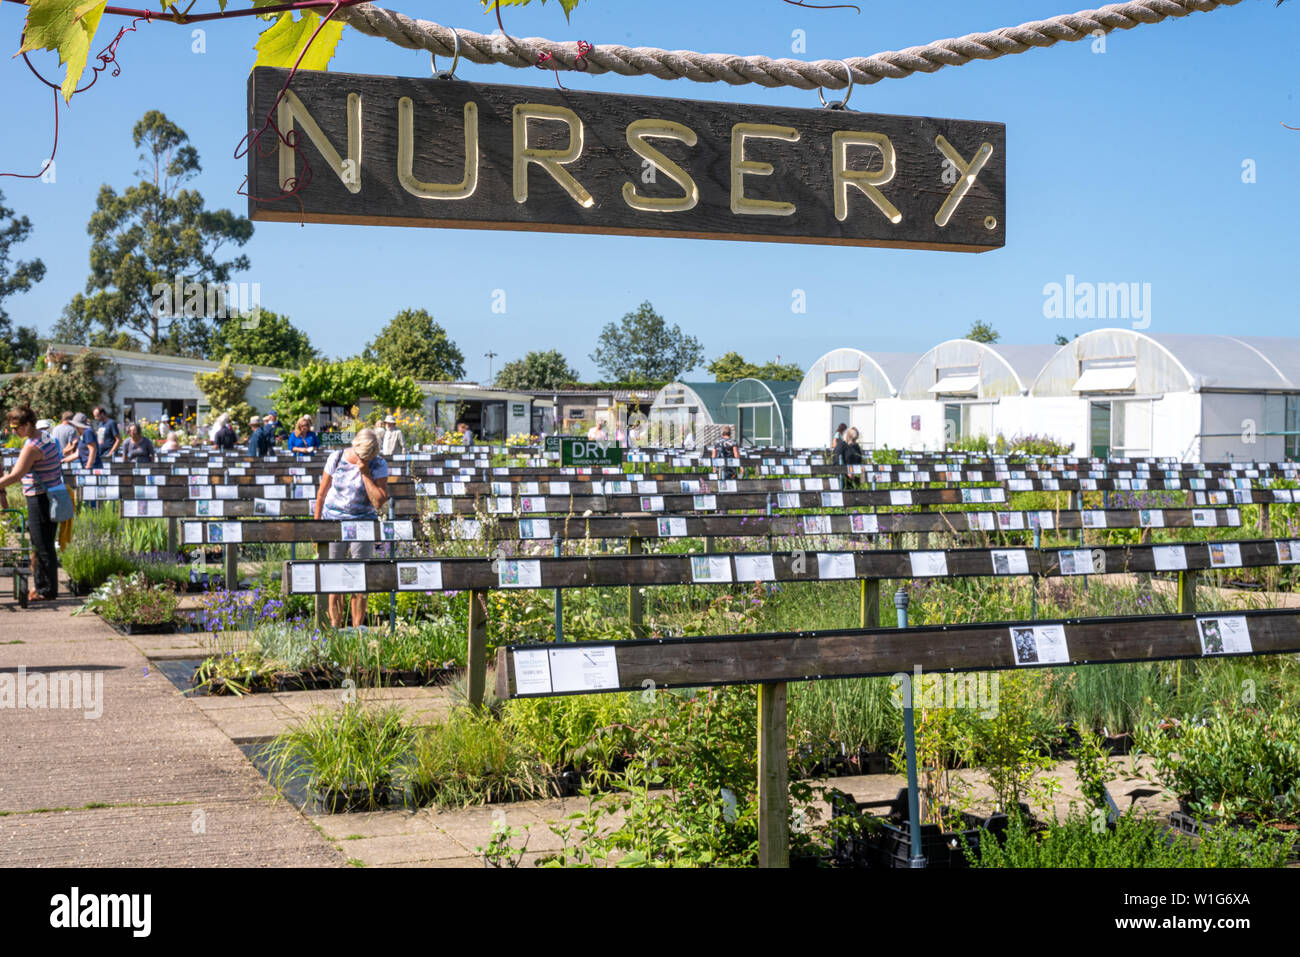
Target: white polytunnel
(846, 386)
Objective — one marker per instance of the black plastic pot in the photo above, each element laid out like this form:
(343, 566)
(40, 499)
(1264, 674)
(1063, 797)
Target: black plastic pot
(136, 628)
(79, 589)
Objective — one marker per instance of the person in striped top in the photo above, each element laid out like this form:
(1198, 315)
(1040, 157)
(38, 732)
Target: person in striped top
(40, 469)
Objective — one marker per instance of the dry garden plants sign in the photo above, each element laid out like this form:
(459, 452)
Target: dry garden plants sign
(435, 152)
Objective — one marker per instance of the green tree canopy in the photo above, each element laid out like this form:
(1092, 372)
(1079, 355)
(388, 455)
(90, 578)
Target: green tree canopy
(344, 383)
(264, 338)
(981, 331)
(642, 347)
(67, 384)
(224, 389)
(19, 346)
(537, 370)
(152, 236)
(731, 367)
(413, 344)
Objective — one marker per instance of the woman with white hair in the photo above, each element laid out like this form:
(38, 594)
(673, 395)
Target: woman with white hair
(353, 488)
(221, 434)
(171, 444)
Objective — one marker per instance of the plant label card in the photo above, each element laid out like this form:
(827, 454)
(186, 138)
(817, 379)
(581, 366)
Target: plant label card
(226, 492)
(518, 573)
(755, 568)
(501, 505)
(1094, 518)
(264, 479)
(652, 503)
(710, 568)
(791, 485)
(649, 488)
(1225, 554)
(192, 533)
(1203, 518)
(501, 488)
(1284, 494)
(1170, 558)
(532, 503)
(1151, 518)
(706, 503)
(672, 528)
(929, 564)
(467, 528)
(558, 488)
(1011, 520)
(530, 488)
(403, 531)
(275, 491)
(900, 497)
(266, 506)
(1042, 519)
(225, 532)
(534, 528)
(1040, 645)
(836, 565)
(208, 508)
(1224, 636)
(583, 668)
(302, 579)
(832, 499)
(443, 506)
(817, 525)
(1075, 561)
(864, 524)
(611, 488)
(727, 485)
(1288, 552)
(347, 577)
(532, 672)
(1014, 561)
(419, 576)
(196, 491)
(1234, 518)
(145, 491)
(688, 487)
(357, 531)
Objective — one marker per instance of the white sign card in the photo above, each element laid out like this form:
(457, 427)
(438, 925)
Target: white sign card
(1225, 554)
(706, 503)
(1224, 636)
(223, 532)
(357, 531)
(652, 503)
(754, 568)
(1288, 552)
(192, 533)
(342, 577)
(1040, 645)
(710, 568)
(672, 528)
(534, 528)
(836, 565)
(1014, 561)
(419, 576)
(302, 579)
(266, 506)
(518, 573)
(864, 524)
(583, 668)
(832, 499)
(1170, 558)
(900, 497)
(1151, 518)
(817, 525)
(532, 672)
(1075, 561)
(928, 564)
(208, 508)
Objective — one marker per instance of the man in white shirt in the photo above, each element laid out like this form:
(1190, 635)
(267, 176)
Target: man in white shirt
(597, 432)
(391, 442)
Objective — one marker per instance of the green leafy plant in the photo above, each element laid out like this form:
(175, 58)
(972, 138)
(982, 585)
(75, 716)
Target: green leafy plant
(132, 599)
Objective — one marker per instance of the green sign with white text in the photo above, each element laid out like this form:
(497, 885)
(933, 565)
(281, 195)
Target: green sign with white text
(590, 452)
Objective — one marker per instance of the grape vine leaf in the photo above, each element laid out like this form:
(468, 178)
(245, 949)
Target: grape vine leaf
(67, 26)
(565, 5)
(283, 41)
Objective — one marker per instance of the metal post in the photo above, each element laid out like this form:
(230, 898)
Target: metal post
(559, 596)
(901, 601)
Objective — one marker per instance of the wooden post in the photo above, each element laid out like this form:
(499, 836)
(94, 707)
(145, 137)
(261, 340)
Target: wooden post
(1265, 525)
(869, 613)
(476, 655)
(231, 552)
(1187, 592)
(773, 777)
(322, 601)
(172, 537)
(635, 599)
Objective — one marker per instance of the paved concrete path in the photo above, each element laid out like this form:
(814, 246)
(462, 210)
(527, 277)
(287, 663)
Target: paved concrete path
(152, 781)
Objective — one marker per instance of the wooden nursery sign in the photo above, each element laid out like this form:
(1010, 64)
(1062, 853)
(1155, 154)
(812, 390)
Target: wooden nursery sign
(430, 152)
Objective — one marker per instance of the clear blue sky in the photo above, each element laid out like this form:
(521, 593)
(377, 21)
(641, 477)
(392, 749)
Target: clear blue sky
(1123, 166)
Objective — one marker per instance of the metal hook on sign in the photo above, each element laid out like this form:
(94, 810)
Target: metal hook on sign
(844, 103)
(455, 60)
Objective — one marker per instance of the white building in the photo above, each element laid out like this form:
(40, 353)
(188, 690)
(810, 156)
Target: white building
(846, 386)
(1202, 398)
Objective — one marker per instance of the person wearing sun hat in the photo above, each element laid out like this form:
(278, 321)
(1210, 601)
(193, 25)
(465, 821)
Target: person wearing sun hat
(392, 442)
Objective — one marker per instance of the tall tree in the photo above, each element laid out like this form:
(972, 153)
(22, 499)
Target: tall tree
(153, 239)
(413, 344)
(731, 367)
(18, 347)
(981, 331)
(264, 338)
(537, 370)
(642, 347)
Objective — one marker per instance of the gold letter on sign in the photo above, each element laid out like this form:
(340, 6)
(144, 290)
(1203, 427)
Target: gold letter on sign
(550, 160)
(863, 179)
(637, 131)
(966, 174)
(406, 155)
(291, 109)
(741, 167)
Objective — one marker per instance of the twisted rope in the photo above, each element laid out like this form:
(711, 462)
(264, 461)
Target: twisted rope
(734, 69)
